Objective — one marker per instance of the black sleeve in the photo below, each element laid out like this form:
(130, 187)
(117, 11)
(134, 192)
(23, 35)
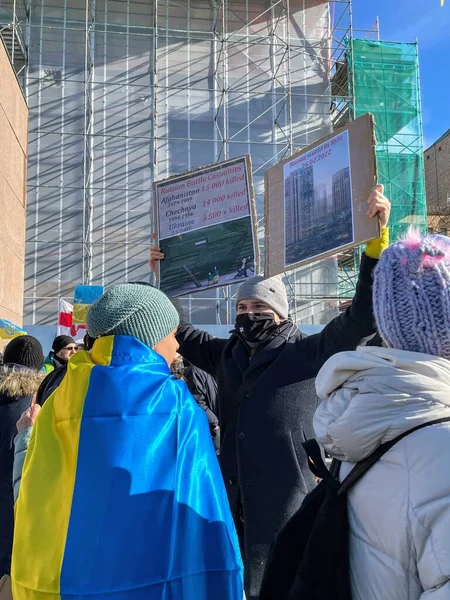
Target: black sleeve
(201, 386)
(212, 419)
(49, 384)
(198, 347)
(204, 389)
(346, 331)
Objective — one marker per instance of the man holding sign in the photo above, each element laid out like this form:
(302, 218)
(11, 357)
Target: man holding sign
(265, 374)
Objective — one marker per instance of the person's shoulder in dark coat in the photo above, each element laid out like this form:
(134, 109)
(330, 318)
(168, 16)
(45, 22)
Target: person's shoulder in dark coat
(17, 388)
(203, 388)
(50, 383)
(201, 385)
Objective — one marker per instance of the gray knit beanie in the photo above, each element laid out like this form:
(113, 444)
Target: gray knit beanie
(133, 309)
(271, 291)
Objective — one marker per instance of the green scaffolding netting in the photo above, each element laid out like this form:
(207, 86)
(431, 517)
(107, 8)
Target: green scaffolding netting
(384, 80)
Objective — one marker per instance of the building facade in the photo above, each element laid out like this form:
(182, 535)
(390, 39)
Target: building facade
(300, 212)
(341, 191)
(437, 179)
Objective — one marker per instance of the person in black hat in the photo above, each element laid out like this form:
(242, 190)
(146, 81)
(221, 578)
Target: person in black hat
(62, 349)
(20, 377)
(54, 378)
(25, 351)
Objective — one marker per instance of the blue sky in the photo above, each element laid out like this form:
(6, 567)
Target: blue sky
(426, 20)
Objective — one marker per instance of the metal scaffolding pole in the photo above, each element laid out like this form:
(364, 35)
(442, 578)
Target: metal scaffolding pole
(13, 33)
(88, 141)
(154, 117)
(220, 114)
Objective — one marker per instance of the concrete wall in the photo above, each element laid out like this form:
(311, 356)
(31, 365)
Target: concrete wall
(437, 174)
(13, 162)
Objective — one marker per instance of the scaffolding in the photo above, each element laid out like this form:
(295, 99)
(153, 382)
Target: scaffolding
(293, 62)
(124, 92)
(121, 93)
(13, 20)
(385, 81)
(88, 141)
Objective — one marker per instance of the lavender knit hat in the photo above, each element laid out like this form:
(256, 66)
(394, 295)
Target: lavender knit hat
(411, 294)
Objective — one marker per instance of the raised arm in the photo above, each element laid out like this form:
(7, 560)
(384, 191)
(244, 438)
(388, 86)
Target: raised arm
(199, 347)
(346, 331)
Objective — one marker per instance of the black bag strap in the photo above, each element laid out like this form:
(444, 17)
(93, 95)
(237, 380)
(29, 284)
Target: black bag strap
(362, 467)
(316, 462)
(335, 467)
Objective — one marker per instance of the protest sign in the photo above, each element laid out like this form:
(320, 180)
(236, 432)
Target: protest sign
(316, 200)
(205, 226)
(84, 296)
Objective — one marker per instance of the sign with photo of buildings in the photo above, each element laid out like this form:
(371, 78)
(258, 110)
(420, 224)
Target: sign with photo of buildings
(316, 199)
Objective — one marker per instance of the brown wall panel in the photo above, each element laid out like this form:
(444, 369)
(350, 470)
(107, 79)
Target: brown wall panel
(13, 148)
(11, 287)
(437, 175)
(13, 219)
(12, 159)
(12, 100)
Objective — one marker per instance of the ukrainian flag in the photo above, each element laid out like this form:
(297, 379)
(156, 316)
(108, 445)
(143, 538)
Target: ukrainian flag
(9, 331)
(121, 494)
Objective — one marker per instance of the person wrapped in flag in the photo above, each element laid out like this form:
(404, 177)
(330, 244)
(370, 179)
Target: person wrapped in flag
(121, 495)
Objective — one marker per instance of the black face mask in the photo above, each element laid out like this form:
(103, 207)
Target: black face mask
(256, 327)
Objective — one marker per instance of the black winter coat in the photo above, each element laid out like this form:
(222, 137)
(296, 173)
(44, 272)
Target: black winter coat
(51, 382)
(266, 408)
(204, 389)
(17, 387)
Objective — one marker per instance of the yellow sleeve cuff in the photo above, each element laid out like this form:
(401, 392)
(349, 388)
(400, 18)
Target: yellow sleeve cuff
(375, 248)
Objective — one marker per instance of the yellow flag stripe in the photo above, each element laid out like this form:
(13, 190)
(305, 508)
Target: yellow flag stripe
(48, 482)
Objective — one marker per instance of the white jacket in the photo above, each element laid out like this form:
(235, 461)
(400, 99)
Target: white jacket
(399, 512)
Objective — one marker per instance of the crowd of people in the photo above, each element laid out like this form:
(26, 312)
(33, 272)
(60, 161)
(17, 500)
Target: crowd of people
(161, 462)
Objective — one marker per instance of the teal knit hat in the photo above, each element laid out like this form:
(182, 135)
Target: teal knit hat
(133, 309)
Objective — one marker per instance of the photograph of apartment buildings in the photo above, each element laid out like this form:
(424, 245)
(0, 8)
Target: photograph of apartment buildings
(318, 206)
